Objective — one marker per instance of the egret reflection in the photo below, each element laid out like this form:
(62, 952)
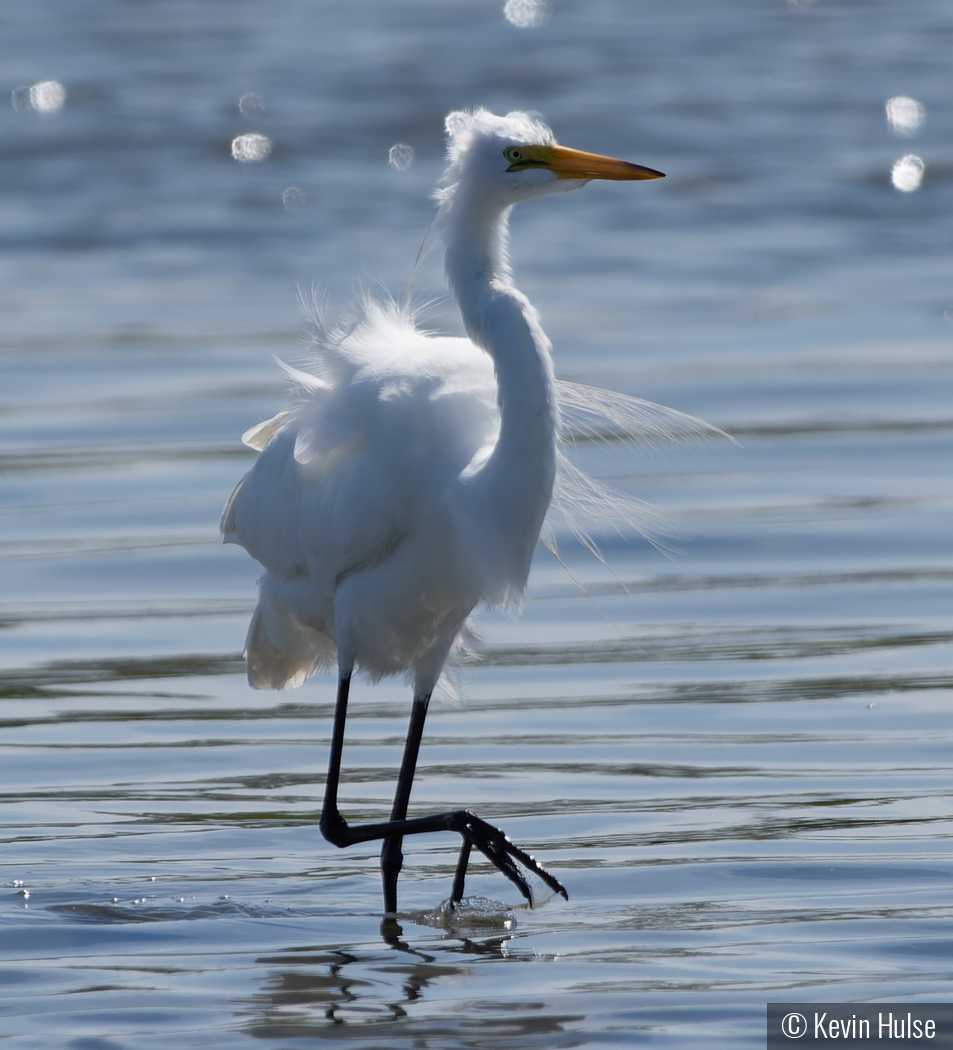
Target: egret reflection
(251, 147)
(907, 173)
(905, 114)
(356, 995)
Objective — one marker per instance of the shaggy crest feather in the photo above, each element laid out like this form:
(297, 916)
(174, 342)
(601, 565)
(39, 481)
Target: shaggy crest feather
(517, 126)
(466, 127)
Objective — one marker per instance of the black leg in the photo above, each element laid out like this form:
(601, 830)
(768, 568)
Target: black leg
(490, 841)
(392, 859)
(460, 875)
(333, 825)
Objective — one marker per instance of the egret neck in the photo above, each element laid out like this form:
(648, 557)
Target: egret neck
(514, 486)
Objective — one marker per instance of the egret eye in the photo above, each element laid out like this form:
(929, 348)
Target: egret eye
(512, 154)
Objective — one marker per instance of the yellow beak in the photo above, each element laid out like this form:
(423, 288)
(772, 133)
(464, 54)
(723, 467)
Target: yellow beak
(568, 163)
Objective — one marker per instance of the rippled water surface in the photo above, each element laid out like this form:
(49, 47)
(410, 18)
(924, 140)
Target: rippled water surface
(736, 756)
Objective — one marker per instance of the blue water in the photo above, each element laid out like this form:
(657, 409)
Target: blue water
(736, 756)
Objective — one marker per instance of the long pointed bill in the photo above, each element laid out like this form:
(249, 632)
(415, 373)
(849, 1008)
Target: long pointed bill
(574, 164)
(567, 163)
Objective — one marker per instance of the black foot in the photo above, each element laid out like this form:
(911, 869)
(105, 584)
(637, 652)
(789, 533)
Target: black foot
(490, 841)
(392, 931)
(499, 850)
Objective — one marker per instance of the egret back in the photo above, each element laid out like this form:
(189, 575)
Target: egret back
(387, 421)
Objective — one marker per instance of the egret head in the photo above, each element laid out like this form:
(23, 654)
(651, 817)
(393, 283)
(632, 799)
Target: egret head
(503, 160)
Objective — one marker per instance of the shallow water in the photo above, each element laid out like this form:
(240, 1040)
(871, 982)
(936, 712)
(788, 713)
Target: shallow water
(736, 757)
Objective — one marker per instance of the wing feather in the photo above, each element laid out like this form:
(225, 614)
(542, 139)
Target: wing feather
(584, 504)
(385, 415)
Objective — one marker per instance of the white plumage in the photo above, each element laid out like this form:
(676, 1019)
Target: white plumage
(356, 505)
(411, 479)
(381, 506)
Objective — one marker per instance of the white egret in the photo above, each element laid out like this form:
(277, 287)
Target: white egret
(411, 480)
